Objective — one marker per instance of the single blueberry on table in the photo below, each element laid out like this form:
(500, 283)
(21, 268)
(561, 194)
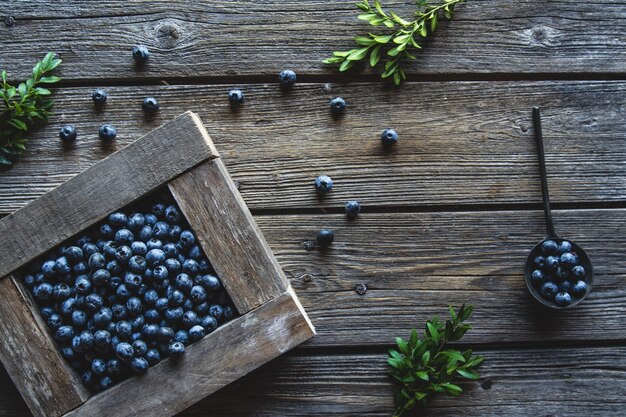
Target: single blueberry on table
(139, 365)
(325, 237)
(107, 133)
(140, 54)
(99, 97)
(235, 97)
(337, 105)
(323, 184)
(389, 137)
(150, 105)
(287, 78)
(549, 290)
(562, 299)
(353, 208)
(549, 247)
(67, 134)
(176, 350)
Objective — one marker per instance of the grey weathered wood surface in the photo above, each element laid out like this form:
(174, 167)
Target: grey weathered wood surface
(73, 206)
(228, 38)
(229, 235)
(32, 358)
(473, 145)
(225, 355)
(514, 382)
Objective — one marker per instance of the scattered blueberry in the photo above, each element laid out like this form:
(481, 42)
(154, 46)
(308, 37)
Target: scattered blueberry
(287, 78)
(99, 97)
(323, 184)
(353, 208)
(107, 133)
(235, 97)
(68, 134)
(140, 54)
(389, 137)
(325, 237)
(150, 105)
(337, 105)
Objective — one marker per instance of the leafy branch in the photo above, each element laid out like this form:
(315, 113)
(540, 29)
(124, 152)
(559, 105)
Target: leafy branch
(424, 366)
(394, 46)
(22, 106)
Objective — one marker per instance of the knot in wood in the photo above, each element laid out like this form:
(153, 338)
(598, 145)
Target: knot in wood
(361, 289)
(168, 34)
(307, 277)
(9, 21)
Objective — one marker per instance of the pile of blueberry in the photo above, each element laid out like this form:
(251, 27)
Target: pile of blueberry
(558, 276)
(132, 291)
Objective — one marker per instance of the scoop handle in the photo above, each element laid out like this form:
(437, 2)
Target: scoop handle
(542, 171)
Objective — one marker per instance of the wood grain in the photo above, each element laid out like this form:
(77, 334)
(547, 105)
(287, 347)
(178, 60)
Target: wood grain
(229, 38)
(229, 235)
(416, 264)
(225, 355)
(473, 145)
(32, 358)
(117, 181)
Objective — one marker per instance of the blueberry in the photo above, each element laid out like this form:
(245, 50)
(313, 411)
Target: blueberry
(175, 232)
(68, 353)
(87, 379)
(564, 247)
(197, 294)
(578, 272)
(62, 266)
(139, 248)
(235, 97)
(140, 54)
(155, 257)
(190, 319)
(99, 97)
(568, 260)
(552, 262)
(123, 254)
(191, 267)
(139, 365)
(560, 273)
(337, 105)
(325, 237)
(107, 133)
(287, 78)
(77, 346)
(389, 137)
(165, 334)
(29, 281)
(565, 286)
(150, 105)
(161, 304)
(187, 239)
(153, 357)
(67, 134)
(102, 338)
(209, 282)
(145, 233)
(323, 184)
(176, 298)
(160, 272)
(103, 317)
(352, 209)
(124, 237)
(89, 249)
(110, 248)
(134, 306)
(83, 285)
(135, 222)
(176, 350)
(229, 313)
(132, 282)
(124, 330)
(150, 331)
(114, 366)
(150, 297)
(140, 347)
(195, 253)
(172, 266)
(579, 289)
(105, 382)
(202, 308)
(64, 334)
(114, 268)
(152, 316)
(548, 290)
(182, 336)
(101, 277)
(209, 323)
(67, 307)
(174, 315)
(172, 214)
(97, 261)
(196, 333)
(61, 292)
(137, 264)
(98, 366)
(217, 311)
(161, 230)
(48, 269)
(549, 247)
(563, 299)
(154, 243)
(80, 268)
(55, 321)
(79, 318)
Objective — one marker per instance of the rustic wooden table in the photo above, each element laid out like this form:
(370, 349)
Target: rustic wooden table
(449, 215)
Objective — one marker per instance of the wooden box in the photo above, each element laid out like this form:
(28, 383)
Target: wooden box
(181, 156)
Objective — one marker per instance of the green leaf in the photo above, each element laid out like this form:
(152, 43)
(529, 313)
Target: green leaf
(434, 334)
(451, 388)
(401, 39)
(50, 79)
(468, 373)
(379, 7)
(452, 313)
(395, 354)
(466, 312)
(402, 345)
(364, 41)
(453, 354)
(11, 92)
(375, 55)
(399, 20)
(389, 23)
(367, 17)
(364, 5)
(388, 72)
(357, 54)
(395, 363)
(346, 65)
(426, 357)
(393, 51)
(414, 338)
(22, 89)
(475, 361)
(333, 60)
(382, 38)
(422, 375)
(433, 23)
(42, 91)
(3, 75)
(18, 124)
(420, 395)
(423, 30)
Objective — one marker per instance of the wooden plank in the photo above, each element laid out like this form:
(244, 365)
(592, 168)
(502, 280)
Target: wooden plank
(32, 359)
(229, 235)
(227, 354)
(473, 145)
(416, 264)
(115, 182)
(486, 37)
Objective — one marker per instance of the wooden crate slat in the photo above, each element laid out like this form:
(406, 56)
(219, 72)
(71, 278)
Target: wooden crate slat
(49, 386)
(229, 235)
(123, 177)
(230, 352)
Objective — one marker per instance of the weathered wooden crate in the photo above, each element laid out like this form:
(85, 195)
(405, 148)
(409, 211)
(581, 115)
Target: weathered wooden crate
(181, 156)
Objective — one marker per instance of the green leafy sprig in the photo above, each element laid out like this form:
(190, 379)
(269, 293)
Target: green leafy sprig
(22, 106)
(393, 46)
(422, 367)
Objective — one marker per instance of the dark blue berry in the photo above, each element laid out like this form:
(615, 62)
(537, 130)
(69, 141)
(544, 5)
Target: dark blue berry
(209, 282)
(68, 134)
(139, 248)
(173, 315)
(229, 313)
(79, 318)
(87, 379)
(68, 353)
(158, 210)
(99, 97)
(352, 209)
(552, 262)
(560, 274)
(191, 267)
(182, 336)
(97, 261)
(152, 316)
(389, 137)
(176, 298)
(98, 366)
(64, 334)
(155, 257)
(140, 347)
(153, 357)
(124, 351)
(161, 304)
(114, 268)
(81, 268)
(565, 286)
(175, 232)
(135, 222)
(337, 105)
(67, 307)
(176, 350)
(134, 306)
(132, 282)
(578, 272)
(549, 247)
(114, 367)
(562, 299)
(568, 260)
(83, 285)
(187, 239)
(61, 292)
(564, 247)
(549, 290)
(287, 78)
(48, 269)
(165, 334)
(137, 264)
(150, 105)
(76, 344)
(62, 266)
(195, 253)
(140, 54)
(124, 330)
(325, 237)
(55, 321)
(217, 311)
(154, 243)
(537, 277)
(209, 323)
(197, 294)
(105, 382)
(102, 338)
(150, 331)
(323, 184)
(74, 254)
(235, 97)
(119, 312)
(161, 230)
(579, 289)
(196, 333)
(190, 319)
(107, 133)
(89, 249)
(101, 277)
(124, 237)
